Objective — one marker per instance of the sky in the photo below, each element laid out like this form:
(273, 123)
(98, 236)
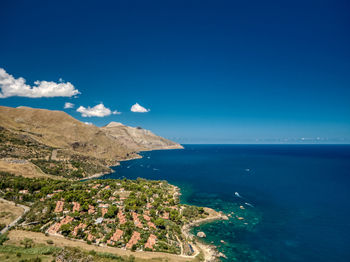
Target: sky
(192, 71)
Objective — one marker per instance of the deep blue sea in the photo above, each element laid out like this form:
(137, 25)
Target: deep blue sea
(294, 199)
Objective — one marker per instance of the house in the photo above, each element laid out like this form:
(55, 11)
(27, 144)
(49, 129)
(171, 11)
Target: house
(76, 206)
(76, 229)
(136, 236)
(151, 241)
(91, 209)
(151, 225)
(121, 217)
(135, 217)
(116, 236)
(56, 227)
(59, 206)
(147, 218)
(98, 220)
(104, 211)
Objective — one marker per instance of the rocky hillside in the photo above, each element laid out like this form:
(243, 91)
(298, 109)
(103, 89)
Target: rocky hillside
(137, 138)
(60, 144)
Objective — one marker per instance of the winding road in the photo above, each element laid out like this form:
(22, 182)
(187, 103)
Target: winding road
(14, 222)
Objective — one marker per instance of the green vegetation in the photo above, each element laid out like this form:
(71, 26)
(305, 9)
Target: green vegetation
(94, 210)
(22, 147)
(2, 226)
(13, 145)
(48, 253)
(19, 253)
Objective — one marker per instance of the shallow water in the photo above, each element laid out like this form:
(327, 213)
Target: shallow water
(300, 197)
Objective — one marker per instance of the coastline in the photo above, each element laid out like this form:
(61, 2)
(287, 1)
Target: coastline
(136, 156)
(209, 252)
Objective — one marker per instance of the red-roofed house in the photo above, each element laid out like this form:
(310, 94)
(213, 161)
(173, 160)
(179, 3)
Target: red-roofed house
(134, 239)
(116, 236)
(76, 206)
(121, 217)
(137, 222)
(59, 206)
(104, 211)
(91, 209)
(151, 241)
(56, 227)
(80, 226)
(150, 224)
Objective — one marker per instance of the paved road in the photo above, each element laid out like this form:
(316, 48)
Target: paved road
(14, 222)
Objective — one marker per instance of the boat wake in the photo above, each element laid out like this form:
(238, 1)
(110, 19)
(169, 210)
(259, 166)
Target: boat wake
(238, 195)
(250, 205)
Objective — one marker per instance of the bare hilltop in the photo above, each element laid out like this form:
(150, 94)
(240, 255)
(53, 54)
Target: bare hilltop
(56, 144)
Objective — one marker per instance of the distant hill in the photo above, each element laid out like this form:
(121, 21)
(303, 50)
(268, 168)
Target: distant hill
(137, 138)
(54, 140)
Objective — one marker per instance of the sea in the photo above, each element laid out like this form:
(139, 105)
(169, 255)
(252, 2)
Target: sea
(285, 202)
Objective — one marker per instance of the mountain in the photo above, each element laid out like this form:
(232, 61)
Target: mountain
(137, 138)
(56, 142)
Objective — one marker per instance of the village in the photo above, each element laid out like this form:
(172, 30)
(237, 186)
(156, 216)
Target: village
(137, 215)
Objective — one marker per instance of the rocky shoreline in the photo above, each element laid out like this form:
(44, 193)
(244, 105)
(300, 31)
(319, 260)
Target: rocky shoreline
(209, 252)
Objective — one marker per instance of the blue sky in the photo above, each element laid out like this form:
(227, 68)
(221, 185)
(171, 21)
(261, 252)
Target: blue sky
(209, 71)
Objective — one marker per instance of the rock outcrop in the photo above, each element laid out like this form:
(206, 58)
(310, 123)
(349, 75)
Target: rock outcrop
(137, 138)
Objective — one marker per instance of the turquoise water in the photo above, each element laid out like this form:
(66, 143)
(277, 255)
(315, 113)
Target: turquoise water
(298, 197)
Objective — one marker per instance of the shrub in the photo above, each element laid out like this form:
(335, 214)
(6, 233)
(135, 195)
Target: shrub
(3, 238)
(92, 252)
(27, 243)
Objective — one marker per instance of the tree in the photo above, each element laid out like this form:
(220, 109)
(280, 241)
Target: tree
(160, 223)
(65, 229)
(112, 212)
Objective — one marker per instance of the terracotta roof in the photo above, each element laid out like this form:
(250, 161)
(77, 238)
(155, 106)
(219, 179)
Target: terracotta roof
(56, 227)
(134, 239)
(116, 236)
(80, 226)
(90, 237)
(91, 209)
(104, 211)
(151, 241)
(59, 206)
(147, 218)
(150, 224)
(121, 217)
(76, 206)
(137, 222)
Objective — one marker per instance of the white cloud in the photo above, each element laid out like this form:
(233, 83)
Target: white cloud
(68, 105)
(98, 110)
(88, 123)
(139, 109)
(11, 86)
